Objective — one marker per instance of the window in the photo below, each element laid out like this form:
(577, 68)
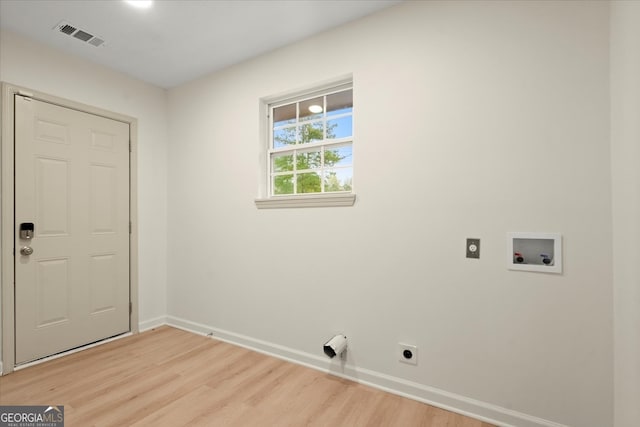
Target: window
(310, 144)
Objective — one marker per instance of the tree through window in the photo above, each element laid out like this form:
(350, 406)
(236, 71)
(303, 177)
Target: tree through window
(311, 144)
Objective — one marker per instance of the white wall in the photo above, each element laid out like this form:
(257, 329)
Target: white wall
(498, 115)
(473, 119)
(32, 65)
(625, 143)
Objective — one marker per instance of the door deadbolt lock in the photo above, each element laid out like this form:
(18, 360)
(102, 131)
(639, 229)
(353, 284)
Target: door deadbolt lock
(26, 250)
(27, 230)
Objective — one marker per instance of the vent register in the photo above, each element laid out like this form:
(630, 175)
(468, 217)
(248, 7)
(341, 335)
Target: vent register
(73, 31)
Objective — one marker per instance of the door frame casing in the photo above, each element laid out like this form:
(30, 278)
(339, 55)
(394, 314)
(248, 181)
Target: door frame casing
(7, 209)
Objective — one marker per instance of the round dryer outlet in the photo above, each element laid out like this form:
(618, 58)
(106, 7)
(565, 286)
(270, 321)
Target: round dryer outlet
(408, 353)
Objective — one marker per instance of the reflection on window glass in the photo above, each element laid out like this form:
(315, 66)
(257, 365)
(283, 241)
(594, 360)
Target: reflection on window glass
(312, 108)
(340, 103)
(284, 115)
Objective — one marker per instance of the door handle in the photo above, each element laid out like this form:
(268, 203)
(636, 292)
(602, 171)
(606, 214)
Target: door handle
(26, 250)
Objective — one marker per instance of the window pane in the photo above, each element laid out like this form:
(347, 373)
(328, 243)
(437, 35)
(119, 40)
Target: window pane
(311, 143)
(338, 156)
(284, 115)
(311, 132)
(340, 103)
(309, 183)
(284, 137)
(340, 128)
(338, 180)
(282, 163)
(312, 108)
(308, 160)
(283, 184)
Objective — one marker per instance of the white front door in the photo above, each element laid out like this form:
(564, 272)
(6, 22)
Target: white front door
(72, 189)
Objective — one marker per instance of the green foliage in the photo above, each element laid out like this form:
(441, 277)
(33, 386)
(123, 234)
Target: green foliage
(309, 182)
(283, 184)
(332, 183)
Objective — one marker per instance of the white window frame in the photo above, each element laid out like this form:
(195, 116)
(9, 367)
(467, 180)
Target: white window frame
(267, 200)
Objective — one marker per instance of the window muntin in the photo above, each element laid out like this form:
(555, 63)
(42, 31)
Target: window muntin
(311, 144)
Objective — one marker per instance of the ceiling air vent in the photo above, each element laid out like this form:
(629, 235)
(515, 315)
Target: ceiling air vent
(85, 37)
(67, 29)
(95, 41)
(71, 30)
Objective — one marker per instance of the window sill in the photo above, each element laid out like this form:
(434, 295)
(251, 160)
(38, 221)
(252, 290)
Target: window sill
(309, 201)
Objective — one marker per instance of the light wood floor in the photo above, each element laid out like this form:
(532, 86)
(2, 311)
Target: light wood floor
(169, 377)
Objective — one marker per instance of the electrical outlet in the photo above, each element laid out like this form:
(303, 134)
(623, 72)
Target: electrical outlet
(473, 248)
(408, 353)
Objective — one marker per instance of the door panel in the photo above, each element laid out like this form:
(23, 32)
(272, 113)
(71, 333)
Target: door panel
(52, 176)
(72, 182)
(103, 280)
(52, 279)
(103, 195)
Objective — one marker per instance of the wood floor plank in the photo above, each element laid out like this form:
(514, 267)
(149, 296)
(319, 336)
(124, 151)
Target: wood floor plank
(181, 411)
(170, 377)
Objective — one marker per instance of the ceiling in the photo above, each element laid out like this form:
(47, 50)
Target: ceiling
(175, 41)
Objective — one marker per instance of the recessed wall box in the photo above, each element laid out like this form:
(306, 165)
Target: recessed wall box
(540, 252)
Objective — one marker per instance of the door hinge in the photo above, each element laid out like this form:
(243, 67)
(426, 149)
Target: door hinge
(130, 307)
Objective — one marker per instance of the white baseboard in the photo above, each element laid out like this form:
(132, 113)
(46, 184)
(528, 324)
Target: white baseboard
(487, 412)
(152, 323)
